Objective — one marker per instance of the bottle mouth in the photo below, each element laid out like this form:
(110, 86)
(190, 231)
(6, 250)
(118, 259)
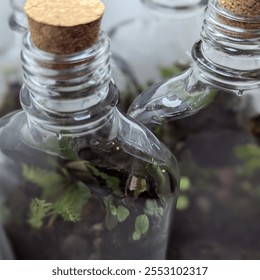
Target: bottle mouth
(178, 8)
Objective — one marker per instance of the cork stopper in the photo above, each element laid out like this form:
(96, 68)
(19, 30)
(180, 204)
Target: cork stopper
(64, 26)
(242, 7)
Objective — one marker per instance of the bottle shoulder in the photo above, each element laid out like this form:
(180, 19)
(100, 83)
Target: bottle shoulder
(118, 145)
(120, 127)
(138, 136)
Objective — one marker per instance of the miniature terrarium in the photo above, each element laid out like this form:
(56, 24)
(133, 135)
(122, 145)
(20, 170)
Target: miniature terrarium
(80, 180)
(216, 143)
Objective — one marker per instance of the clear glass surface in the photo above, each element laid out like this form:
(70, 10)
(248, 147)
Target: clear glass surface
(155, 45)
(80, 180)
(217, 144)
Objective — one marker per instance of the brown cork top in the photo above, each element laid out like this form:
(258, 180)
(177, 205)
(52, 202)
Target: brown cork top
(64, 26)
(242, 7)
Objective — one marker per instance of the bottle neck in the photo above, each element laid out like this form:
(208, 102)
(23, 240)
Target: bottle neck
(229, 50)
(67, 92)
(18, 20)
(178, 8)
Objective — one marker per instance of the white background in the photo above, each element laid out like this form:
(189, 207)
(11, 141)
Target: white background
(42, 270)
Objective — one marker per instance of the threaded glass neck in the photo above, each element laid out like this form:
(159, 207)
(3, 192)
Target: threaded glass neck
(227, 27)
(229, 50)
(66, 90)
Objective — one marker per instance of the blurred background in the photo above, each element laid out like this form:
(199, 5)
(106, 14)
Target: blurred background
(118, 11)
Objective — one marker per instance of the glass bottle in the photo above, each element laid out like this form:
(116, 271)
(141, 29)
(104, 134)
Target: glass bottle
(79, 179)
(226, 59)
(155, 45)
(10, 66)
(218, 157)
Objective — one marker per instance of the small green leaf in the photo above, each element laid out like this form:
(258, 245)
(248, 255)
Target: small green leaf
(65, 147)
(110, 221)
(183, 203)
(149, 212)
(152, 208)
(93, 169)
(39, 209)
(136, 235)
(113, 210)
(142, 224)
(151, 204)
(185, 184)
(41, 177)
(111, 181)
(161, 211)
(114, 184)
(122, 213)
(72, 202)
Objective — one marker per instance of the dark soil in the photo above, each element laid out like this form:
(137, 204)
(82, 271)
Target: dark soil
(217, 150)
